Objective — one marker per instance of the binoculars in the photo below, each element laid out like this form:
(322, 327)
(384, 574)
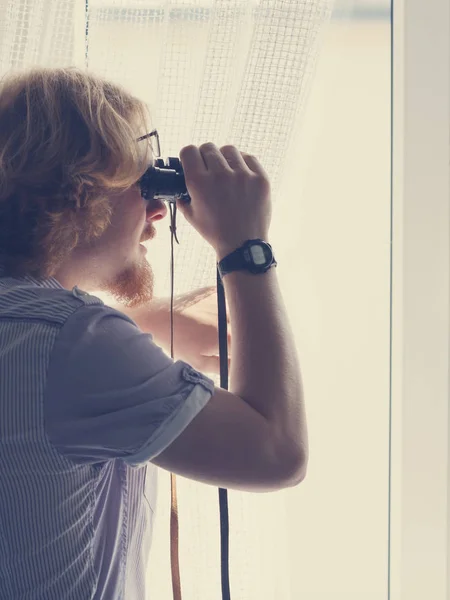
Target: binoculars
(163, 180)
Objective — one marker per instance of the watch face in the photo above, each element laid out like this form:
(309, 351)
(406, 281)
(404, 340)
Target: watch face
(258, 255)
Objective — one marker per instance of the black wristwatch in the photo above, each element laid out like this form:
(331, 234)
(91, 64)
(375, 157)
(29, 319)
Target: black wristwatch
(255, 256)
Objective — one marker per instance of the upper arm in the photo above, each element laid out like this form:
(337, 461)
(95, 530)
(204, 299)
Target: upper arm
(112, 393)
(230, 445)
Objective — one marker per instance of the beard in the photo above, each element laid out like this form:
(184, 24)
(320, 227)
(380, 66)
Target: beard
(133, 286)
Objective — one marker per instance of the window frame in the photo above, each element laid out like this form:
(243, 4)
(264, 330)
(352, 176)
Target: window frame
(419, 558)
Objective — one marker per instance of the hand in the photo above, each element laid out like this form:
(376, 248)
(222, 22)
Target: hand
(230, 195)
(195, 329)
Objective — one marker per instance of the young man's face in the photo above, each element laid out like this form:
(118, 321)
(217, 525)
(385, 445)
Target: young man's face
(116, 262)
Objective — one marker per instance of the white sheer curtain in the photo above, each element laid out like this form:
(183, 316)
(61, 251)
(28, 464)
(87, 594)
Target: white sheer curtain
(242, 72)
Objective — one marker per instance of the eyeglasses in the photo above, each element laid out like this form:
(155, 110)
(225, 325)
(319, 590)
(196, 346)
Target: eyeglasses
(154, 141)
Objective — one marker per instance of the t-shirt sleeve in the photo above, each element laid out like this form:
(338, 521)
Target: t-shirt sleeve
(113, 393)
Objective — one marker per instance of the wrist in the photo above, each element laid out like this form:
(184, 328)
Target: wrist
(225, 249)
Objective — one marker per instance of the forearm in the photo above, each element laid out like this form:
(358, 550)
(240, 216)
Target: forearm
(265, 370)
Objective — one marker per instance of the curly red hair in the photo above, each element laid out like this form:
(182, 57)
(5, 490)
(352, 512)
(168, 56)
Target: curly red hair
(67, 144)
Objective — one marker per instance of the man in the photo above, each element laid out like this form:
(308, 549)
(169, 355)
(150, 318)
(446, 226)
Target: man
(86, 396)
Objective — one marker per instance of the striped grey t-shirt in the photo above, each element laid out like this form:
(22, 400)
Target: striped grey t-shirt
(86, 401)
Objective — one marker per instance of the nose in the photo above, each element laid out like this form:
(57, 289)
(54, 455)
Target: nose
(156, 210)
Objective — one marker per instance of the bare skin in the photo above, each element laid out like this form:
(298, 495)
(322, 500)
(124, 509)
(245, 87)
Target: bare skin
(116, 263)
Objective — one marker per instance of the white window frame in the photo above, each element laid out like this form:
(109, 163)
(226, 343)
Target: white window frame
(419, 528)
